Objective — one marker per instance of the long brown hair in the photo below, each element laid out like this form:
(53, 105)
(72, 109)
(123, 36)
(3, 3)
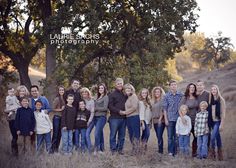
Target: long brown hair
(61, 100)
(105, 90)
(153, 93)
(147, 100)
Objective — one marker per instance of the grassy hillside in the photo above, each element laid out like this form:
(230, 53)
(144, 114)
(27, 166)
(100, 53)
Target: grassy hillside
(225, 78)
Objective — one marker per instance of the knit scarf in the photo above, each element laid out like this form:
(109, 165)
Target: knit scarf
(217, 109)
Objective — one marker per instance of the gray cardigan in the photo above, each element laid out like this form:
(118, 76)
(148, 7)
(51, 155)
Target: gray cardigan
(101, 106)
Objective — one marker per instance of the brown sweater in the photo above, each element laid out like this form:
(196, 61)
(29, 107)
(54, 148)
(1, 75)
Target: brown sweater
(68, 117)
(57, 105)
(131, 106)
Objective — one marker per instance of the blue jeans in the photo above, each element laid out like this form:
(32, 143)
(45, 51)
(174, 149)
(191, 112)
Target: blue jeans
(117, 126)
(172, 140)
(159, 129)
(202, 146)
(88, 132)
(145, 133)
(82, 132)
(46, 138)
(184, 141)
(56, 136)
(133, 125)
(99, 138)
(67, 144)
(215, 135)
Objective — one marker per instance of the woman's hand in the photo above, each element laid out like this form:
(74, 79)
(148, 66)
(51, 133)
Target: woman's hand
(18, 132)
(221, 128)
(122, 112)
(166, 122)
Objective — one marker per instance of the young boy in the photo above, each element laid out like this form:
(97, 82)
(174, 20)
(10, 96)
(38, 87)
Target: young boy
(43, 127)
(67, 124)
(201, 130)
(12, 104)
(81, 125)
(25, 123)
(183, 128)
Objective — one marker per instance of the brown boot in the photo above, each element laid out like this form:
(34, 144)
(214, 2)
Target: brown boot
(220, 154)
(194, 149)
(212, 154)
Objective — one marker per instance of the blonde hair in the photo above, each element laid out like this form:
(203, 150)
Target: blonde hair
(22, 87)
(147, 100)
(204, 103)
(218, 93)
(182, 107)
(153, 93)
(85, 89)
(129, 86)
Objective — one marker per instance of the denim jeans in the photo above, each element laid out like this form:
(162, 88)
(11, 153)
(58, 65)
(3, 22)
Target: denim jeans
(117, 126)
(184, 141)
(56, 136)
(133, 125)
(46, 138)
(202, 146)
(215, 135)
(67, 144)
(14, 146)
(145, 133)
(172, 140)
(98, 134)
(80, 134)
(88, 138)
(159, 129)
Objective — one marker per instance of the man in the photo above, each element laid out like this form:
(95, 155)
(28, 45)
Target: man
(34, 90)
(202, 94)
(74, 90)
(171, 103)
(117, 122)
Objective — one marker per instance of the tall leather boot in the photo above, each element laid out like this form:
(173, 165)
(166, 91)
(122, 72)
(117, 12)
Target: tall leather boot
(212, 154)
(220, 154)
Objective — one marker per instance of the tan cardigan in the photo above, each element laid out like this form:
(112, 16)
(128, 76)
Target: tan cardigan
(131, 106)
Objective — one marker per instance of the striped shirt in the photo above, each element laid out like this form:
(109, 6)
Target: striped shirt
(171, 103)
(201, 124)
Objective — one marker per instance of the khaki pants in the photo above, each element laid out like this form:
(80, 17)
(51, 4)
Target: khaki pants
(25, 145)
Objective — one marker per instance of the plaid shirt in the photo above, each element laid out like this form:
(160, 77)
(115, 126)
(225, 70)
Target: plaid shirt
(201, 124)
(171, 105)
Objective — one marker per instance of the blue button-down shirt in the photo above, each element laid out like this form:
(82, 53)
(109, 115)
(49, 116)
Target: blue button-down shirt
(171, 103)
(45, 102)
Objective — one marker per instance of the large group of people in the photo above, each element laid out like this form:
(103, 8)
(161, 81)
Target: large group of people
(66, 125)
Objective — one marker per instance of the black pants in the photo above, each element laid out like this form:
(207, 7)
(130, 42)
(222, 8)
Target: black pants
(56, 137)
(14, 146)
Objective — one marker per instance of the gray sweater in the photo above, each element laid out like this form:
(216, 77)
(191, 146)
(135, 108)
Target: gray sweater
(101, 106)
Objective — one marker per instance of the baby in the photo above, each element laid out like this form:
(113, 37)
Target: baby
(12, 103)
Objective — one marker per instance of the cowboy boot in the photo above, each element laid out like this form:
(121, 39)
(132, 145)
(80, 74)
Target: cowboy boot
(212, 154)
(194, 149)
(220, 154)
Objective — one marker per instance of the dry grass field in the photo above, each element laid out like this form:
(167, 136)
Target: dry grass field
(225, 78)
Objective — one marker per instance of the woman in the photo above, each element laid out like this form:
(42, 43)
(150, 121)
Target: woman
(100, 116)
(21, 91)
(132, 114)
(158, 115)
(145, 116)
(58, 107)
(87, 96)
(190, 100)
(217, 109)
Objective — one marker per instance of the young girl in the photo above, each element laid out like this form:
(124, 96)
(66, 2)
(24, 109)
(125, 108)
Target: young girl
(87, 96)
(81, 125)
(101, 109)
(217, 109)
(58, 107)
(201, 130)
(183, 130)
(158, 115)
(25, 123)
(145, 116)
(43, 127)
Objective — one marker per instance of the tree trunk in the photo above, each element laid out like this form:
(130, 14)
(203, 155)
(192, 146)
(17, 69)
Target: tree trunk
(50, 67)
(23, 69)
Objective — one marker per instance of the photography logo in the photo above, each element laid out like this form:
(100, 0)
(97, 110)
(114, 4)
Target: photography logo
(74, 39)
